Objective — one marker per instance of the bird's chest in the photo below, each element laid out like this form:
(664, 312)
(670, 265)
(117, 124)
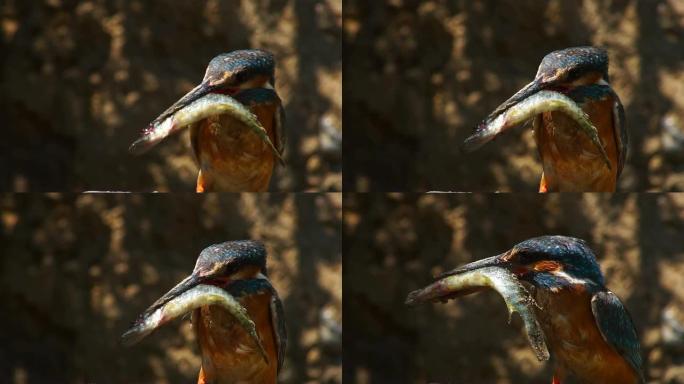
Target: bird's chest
(580, 353)
(229, 355)
(230, 156)
(571, 161)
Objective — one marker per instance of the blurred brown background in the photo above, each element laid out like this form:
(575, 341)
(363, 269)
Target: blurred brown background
(394, 244)
(79, 80)
(419, 76)
(76, 271)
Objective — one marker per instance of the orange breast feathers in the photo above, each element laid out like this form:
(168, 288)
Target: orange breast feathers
(571, 161)
(579, 350)
(228, 354)
(233, 158)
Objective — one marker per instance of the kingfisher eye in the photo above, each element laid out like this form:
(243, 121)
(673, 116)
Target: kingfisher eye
(240, 77)
(525, 258)
(228, 269)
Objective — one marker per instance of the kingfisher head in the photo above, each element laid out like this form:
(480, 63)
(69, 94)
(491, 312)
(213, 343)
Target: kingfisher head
(229, 74)
(576, 75)
(562, 71)
(221, 265)
(550, 262)
(572, 67)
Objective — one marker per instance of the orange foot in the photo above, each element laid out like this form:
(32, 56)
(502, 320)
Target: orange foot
(543, 188)
(202, 183)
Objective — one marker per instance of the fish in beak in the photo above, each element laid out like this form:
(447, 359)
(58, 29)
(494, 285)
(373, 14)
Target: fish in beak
(182, 299)
(496, 273)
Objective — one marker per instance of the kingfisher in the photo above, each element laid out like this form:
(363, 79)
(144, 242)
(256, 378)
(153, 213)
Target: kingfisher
(589, 333)
(236, 121)
(572, 160)
(237, 315)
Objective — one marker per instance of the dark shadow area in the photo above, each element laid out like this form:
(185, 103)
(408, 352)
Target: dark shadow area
(394, 244)
(420, 75)
(81, 79)
(77, 271)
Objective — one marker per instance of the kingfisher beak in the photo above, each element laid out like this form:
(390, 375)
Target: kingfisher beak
(185, 285)
(500, 261)
(441, 290)
(141, 328)
(199, 91)
(528, 90)
(162, 127)
(486, 130)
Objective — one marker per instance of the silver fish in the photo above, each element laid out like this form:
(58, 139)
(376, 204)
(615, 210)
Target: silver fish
(208, 105)
(188, 301)
(542, 101)
(516, 296)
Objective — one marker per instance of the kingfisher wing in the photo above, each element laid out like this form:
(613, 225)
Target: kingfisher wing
(281, 137)
(278, 321)
(617, 328)
(620, 131)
